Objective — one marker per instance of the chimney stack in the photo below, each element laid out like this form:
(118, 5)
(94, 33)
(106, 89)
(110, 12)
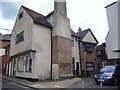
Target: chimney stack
(80, 29)
(60, 7)
(0, 36)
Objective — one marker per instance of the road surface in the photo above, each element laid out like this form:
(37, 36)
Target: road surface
(11, 85)
(90, 83)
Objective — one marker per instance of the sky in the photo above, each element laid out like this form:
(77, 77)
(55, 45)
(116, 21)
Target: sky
(82, 13)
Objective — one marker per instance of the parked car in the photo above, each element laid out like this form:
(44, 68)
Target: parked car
(106, 75)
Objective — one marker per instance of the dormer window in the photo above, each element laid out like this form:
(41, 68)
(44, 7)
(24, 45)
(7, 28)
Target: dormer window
(20, 15)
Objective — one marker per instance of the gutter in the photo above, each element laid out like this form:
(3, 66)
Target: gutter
(80, 55)
(51, 53)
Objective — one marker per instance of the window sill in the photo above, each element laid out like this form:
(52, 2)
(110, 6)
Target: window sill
(28, 71)
(19, 71)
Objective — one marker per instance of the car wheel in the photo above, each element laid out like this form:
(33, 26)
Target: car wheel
(96, 81)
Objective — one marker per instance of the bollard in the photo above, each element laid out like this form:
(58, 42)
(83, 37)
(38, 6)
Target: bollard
(82, 84)
(101, 84)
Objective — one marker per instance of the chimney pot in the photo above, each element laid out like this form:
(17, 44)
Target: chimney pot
(80, 29)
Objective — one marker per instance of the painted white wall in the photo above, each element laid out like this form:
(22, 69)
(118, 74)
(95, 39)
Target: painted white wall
(36, 37)
(89, 38)
(41, 42)
(58, 21)
(112, 38)
(75, 53)
(61, 26)
(24, 73)
(24, 24)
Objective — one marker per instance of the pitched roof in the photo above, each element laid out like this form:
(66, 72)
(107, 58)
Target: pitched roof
(111, 4)
(6, 37)
(73, 33)
(101, 47)
(83, 33)
(50, 14)
(37, 17)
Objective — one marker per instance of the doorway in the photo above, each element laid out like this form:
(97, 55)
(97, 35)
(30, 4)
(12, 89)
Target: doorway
(77, 69)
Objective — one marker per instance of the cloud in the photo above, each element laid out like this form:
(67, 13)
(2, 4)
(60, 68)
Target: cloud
(82, 13)
(9, 10)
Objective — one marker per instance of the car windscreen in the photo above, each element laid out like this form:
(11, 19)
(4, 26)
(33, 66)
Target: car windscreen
(107, 70)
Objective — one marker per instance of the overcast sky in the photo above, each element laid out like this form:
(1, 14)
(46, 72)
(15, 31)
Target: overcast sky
(82, 13)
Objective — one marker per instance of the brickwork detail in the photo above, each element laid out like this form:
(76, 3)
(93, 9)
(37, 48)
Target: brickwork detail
(88, 57)
(62, 55)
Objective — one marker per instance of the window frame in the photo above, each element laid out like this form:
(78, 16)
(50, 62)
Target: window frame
(19, 69)
(87, 66)
(89, 47)
(20, 15)
(28, 64)
(72, 41)
(76, 39)
(20, 37)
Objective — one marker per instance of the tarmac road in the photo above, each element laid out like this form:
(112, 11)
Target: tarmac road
(90, 83)
(13, 86)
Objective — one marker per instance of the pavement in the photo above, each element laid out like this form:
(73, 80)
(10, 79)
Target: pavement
(41, 84)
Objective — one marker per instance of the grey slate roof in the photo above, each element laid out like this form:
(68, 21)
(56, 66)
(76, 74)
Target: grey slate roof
(37, 17)
(83, 33)
(50, 14)
(6, 37)
(100, 47)
(73, 33)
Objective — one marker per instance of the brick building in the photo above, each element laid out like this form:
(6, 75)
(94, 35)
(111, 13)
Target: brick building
(87, 46)
(44, 51)
(5, 49)
(102, 60)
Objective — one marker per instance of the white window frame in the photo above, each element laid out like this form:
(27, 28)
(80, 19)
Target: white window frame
(28, 65)
(20, 64)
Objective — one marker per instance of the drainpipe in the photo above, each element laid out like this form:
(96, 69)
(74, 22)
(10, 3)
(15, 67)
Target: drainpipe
(51, 52)
(80, 56)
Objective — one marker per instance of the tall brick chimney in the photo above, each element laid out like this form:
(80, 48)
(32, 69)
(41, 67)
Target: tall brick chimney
(61, 42)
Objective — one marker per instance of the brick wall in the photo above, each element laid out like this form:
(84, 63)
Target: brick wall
(62, 55)
(88, 57)
(5, 58)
